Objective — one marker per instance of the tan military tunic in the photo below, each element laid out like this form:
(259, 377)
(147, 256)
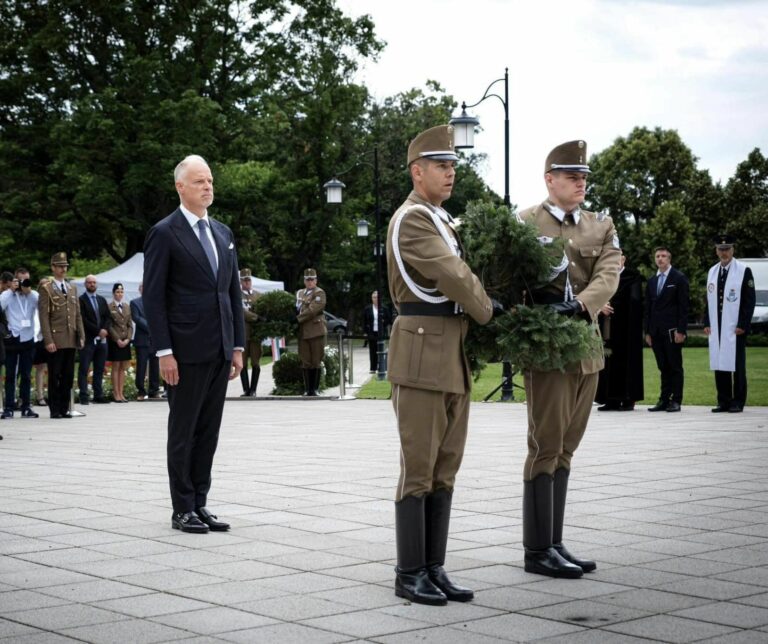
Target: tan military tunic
(122, 326)
(427, 365)
(559, 403)
(252, 347)
(312, 326)
(60, 320)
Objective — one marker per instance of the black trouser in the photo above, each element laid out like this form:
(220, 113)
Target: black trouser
(732, 385)
(61, 374)
(95, 353)
(146, 357)
(373, 351)
(669, 359)
(196, 405)
(18, 363)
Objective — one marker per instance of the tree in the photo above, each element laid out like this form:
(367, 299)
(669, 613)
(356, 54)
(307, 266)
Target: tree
(746, 204)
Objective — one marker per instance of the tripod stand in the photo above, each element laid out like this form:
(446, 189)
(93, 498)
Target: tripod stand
(506, 385)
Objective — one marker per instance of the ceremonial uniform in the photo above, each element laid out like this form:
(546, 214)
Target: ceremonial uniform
(432, 289)
(559, 403)
(730, 306)
(252, 346)
(120, 329)
(61, 325)
(310, 307)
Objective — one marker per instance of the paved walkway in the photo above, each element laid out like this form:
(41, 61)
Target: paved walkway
(672, 506)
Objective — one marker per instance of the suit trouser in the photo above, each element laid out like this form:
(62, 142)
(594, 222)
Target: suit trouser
(196, 406)
(373, 351)
(558, 405)
(732, 385)
(311, 352)
(252, 351)
(433, 431)
(669, 359)
(96, 353)
(145, 357)
(18, 363)
(61, 375)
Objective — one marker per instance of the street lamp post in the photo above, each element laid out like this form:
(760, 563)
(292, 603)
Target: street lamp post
(464, 137)
(333, 191)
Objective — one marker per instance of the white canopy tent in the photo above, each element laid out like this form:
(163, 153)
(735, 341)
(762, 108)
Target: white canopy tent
(130, 274)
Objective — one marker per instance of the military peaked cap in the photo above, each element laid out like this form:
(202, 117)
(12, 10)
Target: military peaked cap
(59, 259)
(245, 273)
(569, 157)
(310, 273)
(435, 143)
(724, 241)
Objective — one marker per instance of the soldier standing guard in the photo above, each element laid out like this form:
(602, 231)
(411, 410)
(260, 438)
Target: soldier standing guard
(559, 403)
(252, 346)
(62, 329)
(432, 288)
(730, 305)
(310, 307)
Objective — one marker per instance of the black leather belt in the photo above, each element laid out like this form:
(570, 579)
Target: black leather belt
(424, 308)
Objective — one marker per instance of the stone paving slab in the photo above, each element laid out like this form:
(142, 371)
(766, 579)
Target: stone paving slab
(674, 509)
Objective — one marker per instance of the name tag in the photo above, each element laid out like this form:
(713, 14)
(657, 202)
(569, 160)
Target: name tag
(25, 324)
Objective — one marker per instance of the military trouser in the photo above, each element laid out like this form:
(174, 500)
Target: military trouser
(252, 351)
(559, 405)
(311, 352)
(433, 430)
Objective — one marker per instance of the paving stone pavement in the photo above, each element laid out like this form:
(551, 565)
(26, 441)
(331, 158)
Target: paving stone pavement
(672, 506)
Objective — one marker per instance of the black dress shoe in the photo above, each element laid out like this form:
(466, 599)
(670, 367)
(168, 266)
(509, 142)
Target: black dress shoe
(551, 563)
(55, 416)
(7, 413)
(101, 401)
(719, 410)
(585, 564)
(453, 592)
(28, 413)
(84, 401)
(735, 409)
(188, 522)
(211, 520)
(418, 588)
(659, 406)
(673, 406)
(609, 407)
(66, 414)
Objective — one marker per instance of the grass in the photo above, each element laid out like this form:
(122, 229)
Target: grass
(699, 380)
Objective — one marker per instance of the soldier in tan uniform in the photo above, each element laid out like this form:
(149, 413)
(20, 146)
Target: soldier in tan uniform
(252, 347)
(559, 403)
(433, 290)
(310, 307)
(62, 329)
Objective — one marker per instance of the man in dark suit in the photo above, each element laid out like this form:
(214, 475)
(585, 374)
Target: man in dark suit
(375, 328)
(145, 354)
(96, 322)
(666, 323)
(195, 312)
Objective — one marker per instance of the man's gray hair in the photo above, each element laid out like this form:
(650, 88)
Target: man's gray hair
(179, 171)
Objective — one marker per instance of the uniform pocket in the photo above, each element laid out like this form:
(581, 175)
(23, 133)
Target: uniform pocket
(423, 345)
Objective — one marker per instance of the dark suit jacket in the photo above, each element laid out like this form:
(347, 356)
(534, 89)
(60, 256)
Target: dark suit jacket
(200, 318)
(92, 323)
(141, 337)
(368, 319)
(669, 309)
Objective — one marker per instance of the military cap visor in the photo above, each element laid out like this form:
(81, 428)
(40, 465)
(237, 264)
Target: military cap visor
(569, 168)
(722, 242)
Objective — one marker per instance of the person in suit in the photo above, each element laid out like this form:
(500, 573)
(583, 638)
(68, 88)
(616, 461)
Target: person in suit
(666, 325)
(432, 289)
(96, 322)
(730, 305)
(313, 331)
(375, 329)
(559, 402)
(252, 346)
(40, 361)
(194, 308)
(62, 327)
(145, 354)
(119, 341)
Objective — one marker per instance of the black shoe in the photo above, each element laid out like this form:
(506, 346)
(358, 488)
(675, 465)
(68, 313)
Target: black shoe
(551, 563)
(673, 406)
(659, 406)
(83, 401)
(735, 409)
(418, 588)
(245, 394)
(101, 401)
(585, 564)
(211, 520)
(719, 409)
(7, 413)
(66, 414)
(28, 413)
(627, 406)
(453, 592)
(188, 522)
(55, 416)
(609, 407)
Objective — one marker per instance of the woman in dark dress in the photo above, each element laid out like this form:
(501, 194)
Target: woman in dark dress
(620, 383)
(119, 341)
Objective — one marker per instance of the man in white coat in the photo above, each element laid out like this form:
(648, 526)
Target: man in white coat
(730, 305)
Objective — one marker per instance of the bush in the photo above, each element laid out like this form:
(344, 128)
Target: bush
(289, 378)
(277, 316)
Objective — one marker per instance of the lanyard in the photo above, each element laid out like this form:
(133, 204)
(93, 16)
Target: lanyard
(24, 310)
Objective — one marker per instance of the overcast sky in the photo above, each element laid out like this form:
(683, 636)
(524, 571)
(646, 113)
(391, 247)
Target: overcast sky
(584, 69)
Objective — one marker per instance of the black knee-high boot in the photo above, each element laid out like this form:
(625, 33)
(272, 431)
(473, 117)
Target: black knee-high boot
(255, 372)
(244, 381)
(437, 515)
(318, 374)
(412, 580)
(308, 381)
(540, 557)
(560, 491)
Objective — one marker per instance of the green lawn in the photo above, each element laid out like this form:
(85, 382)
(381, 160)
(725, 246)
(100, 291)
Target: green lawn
(699, 380)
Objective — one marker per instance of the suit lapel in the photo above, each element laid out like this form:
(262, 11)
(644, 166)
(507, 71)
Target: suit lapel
(190, 242)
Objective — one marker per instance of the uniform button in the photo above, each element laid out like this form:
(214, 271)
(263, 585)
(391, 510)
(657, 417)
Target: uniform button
(573, 263)
(570, 241)
(594, 252)
(420, 331)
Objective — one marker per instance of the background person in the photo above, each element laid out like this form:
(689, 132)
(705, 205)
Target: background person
(97, 322)
(374, 329)
(146, 359)
(313, 331)
(252, 347)
(119, 341)
(40, 360)
(730, 306)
